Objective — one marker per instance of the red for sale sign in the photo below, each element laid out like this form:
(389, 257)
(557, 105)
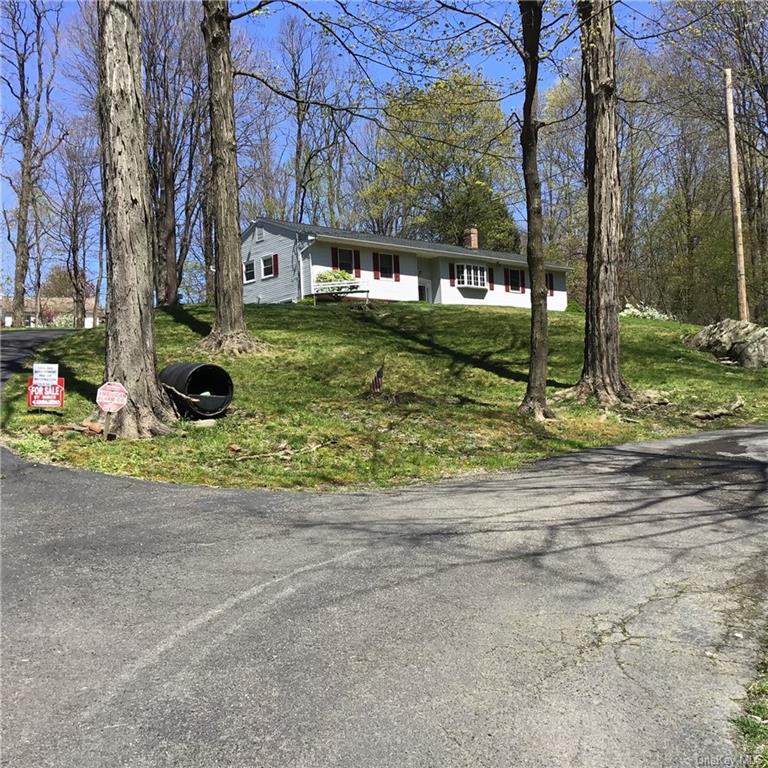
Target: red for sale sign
(45, 395)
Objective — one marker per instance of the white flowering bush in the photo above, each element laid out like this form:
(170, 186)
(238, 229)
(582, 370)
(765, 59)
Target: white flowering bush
(645, 312)
(63, 321)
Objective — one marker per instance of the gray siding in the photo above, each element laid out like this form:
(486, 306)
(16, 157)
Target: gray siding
(271, 290)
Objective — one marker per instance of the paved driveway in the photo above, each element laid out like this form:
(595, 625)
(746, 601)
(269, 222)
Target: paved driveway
(598, 610)
(17, 346)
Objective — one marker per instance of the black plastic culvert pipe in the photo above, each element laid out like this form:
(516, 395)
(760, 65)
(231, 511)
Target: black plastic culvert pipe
(199, 390)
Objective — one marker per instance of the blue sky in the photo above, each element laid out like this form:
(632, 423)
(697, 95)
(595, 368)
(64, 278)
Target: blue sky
(265, 29)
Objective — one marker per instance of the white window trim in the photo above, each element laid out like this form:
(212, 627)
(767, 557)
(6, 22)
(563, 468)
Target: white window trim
(271, 258)
(246, 282)
(471, 265)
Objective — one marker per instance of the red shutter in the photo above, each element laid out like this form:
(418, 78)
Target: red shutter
(506, 280)
(334, 258)
(522, 281)
(376, 271)
(551, 283)
(275, 271)
(452, 273)
(396, 267)
(356, 256)
(490, 278)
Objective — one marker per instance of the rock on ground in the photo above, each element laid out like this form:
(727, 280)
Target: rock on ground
(739, 340)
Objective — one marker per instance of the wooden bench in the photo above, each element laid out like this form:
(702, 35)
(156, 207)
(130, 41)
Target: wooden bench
(339, 288)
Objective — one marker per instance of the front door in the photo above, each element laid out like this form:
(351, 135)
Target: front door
(425, 292)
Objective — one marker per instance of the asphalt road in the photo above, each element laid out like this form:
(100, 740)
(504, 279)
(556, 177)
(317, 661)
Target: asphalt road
(17, 346)
(597, 610)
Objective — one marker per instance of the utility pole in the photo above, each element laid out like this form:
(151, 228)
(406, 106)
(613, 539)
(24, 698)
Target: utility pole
(738, 240)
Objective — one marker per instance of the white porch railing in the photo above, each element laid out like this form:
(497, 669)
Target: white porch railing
(338, 286)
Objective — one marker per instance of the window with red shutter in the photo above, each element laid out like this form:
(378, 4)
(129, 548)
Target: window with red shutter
(522, 281)
(506, 280)
(376, 270)
(490, 278)
(396, 265)
(275, 270)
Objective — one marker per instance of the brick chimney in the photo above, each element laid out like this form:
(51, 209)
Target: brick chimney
(470, 238)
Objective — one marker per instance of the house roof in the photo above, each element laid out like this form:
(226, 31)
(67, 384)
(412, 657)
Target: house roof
(396, 243)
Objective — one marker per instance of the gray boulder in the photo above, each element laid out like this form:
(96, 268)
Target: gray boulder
(742, 342)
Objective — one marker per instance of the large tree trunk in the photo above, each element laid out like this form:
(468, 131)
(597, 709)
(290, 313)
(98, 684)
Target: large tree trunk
(535, 400)
(22, 234)
(130, 353)
(601, 375)
(229, 333)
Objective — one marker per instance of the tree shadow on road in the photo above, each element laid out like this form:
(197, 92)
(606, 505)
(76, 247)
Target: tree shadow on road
(621, 505)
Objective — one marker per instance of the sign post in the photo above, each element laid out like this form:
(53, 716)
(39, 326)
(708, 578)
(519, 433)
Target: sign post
(111, 397)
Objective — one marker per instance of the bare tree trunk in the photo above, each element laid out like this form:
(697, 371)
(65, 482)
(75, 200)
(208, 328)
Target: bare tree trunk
(130, 352)
(30, 58)
(298, 164)
(38, 260)
(22, 238)
(601, 374)
(206, 215)
(535, 400)
(229, 333)
(169, 225)
(100, 273)
(76, 277)
(157, 210)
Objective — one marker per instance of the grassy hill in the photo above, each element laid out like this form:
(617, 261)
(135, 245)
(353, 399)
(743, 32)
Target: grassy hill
(302, 410)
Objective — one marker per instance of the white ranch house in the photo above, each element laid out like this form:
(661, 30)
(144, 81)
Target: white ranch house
(282, 262)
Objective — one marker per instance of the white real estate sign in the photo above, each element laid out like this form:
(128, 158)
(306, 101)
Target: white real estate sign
(45, 374)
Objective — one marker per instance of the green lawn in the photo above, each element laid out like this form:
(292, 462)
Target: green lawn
(304, 403)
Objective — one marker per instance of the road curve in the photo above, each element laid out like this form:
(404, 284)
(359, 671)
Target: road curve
(17, 346)
(599, 609)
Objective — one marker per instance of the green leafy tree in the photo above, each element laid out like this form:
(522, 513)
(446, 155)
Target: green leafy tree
(56, 283)
(441, 145)
(473, 203)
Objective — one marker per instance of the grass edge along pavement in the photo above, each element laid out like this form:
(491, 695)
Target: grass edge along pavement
(752, 724)
(303, 418)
